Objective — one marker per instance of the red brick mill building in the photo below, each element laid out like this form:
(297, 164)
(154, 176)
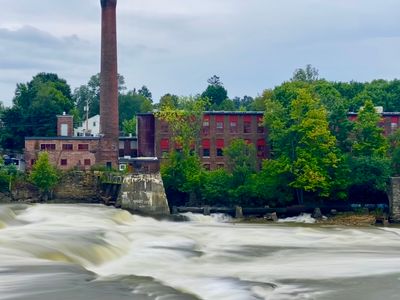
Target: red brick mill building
(154, 140)
(144, 152)
(219, 128)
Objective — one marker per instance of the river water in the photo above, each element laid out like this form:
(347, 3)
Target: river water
(74, 252)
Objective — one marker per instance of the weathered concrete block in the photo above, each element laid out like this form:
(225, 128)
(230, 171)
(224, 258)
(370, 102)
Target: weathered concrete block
(394, 199)
(143, 193)
(238, 212)
(317, 214)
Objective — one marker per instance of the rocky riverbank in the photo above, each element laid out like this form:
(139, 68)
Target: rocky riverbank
(340, 219)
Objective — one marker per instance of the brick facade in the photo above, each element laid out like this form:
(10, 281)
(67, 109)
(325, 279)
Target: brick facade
(218, 130)
(109, 127)
(390, 121)
(64, 152)
(65, 125)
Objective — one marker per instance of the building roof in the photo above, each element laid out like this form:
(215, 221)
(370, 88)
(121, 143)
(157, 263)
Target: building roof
(385, 113)
(219, 113)
(65, 138)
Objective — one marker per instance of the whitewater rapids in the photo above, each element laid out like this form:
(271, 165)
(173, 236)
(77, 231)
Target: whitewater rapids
(60, 252)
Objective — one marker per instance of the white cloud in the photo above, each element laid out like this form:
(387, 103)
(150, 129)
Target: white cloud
(174, 46)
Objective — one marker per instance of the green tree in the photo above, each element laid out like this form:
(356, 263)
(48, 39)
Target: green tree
(303, 144)
(131, 104)
(241, 162)
(35, 107)
(185, 122)
(368, 138)
(145, 92)
(215, 187)
(182, 171)
(368, 163)
(394, 151)
(271, 186)
(44, 175)
(90, 94)
(169, 100)
(129, 126)
(308, 74)
(215, 92)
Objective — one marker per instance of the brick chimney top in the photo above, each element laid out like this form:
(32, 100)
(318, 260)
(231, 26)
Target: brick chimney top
(107, 3)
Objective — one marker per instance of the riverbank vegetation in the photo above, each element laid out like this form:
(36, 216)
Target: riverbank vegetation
(317, 153)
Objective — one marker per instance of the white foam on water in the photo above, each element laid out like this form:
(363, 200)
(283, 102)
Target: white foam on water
(212, 218)
(302, 218)
(205, 257)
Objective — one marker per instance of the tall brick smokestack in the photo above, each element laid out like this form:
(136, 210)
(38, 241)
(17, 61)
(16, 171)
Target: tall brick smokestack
(109, 118)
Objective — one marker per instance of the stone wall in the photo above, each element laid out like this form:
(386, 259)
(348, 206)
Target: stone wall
(77, 186)
(394, 199)
(143, 193)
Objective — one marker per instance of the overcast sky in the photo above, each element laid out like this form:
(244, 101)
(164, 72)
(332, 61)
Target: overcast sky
(174, 46)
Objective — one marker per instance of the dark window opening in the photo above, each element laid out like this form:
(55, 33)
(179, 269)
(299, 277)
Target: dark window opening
(48, 147)
(207, 167)
(86, 162)
(68, 147)
(247, 127)
(206, 152)
(64, 162)
(220, 152)
(83, 147)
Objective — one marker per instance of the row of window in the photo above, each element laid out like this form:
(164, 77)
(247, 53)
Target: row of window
(233, 124)
(220, 124)
(64, 162)
(219, 146)
(65, 147)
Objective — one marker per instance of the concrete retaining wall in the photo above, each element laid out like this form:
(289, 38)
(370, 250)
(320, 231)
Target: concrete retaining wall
(394, 199)
(143, 193)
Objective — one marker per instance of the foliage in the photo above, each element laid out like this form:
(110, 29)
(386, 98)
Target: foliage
(394, 151)
(8, 174)
(43, 174)
(185, 122)
(169, 101)
(369, 175)
(129, 126)
(182, 174)
(308, 74)
(368, 136)
(35, 107)
(215, 187)
(90, 94)
(131, 104)
(303, 144)
(215, 93)
(271, 184)
(145, 92)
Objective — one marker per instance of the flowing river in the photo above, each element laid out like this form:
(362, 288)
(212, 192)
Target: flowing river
(74, 252)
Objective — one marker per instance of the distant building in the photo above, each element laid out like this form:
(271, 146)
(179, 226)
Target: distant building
(219, 128)
(89, 127)
(390, 121)
(67, 151)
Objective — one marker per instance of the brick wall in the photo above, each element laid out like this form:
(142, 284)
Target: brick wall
(247, 128)
(65, 154)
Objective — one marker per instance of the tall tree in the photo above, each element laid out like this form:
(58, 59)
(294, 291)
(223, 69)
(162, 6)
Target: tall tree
(145, 92)
(44, 175)
(303, 144)
(35, 107)
(368, 139)
(308, 74)
(215, 92)
(182, 171)
(89, 94)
